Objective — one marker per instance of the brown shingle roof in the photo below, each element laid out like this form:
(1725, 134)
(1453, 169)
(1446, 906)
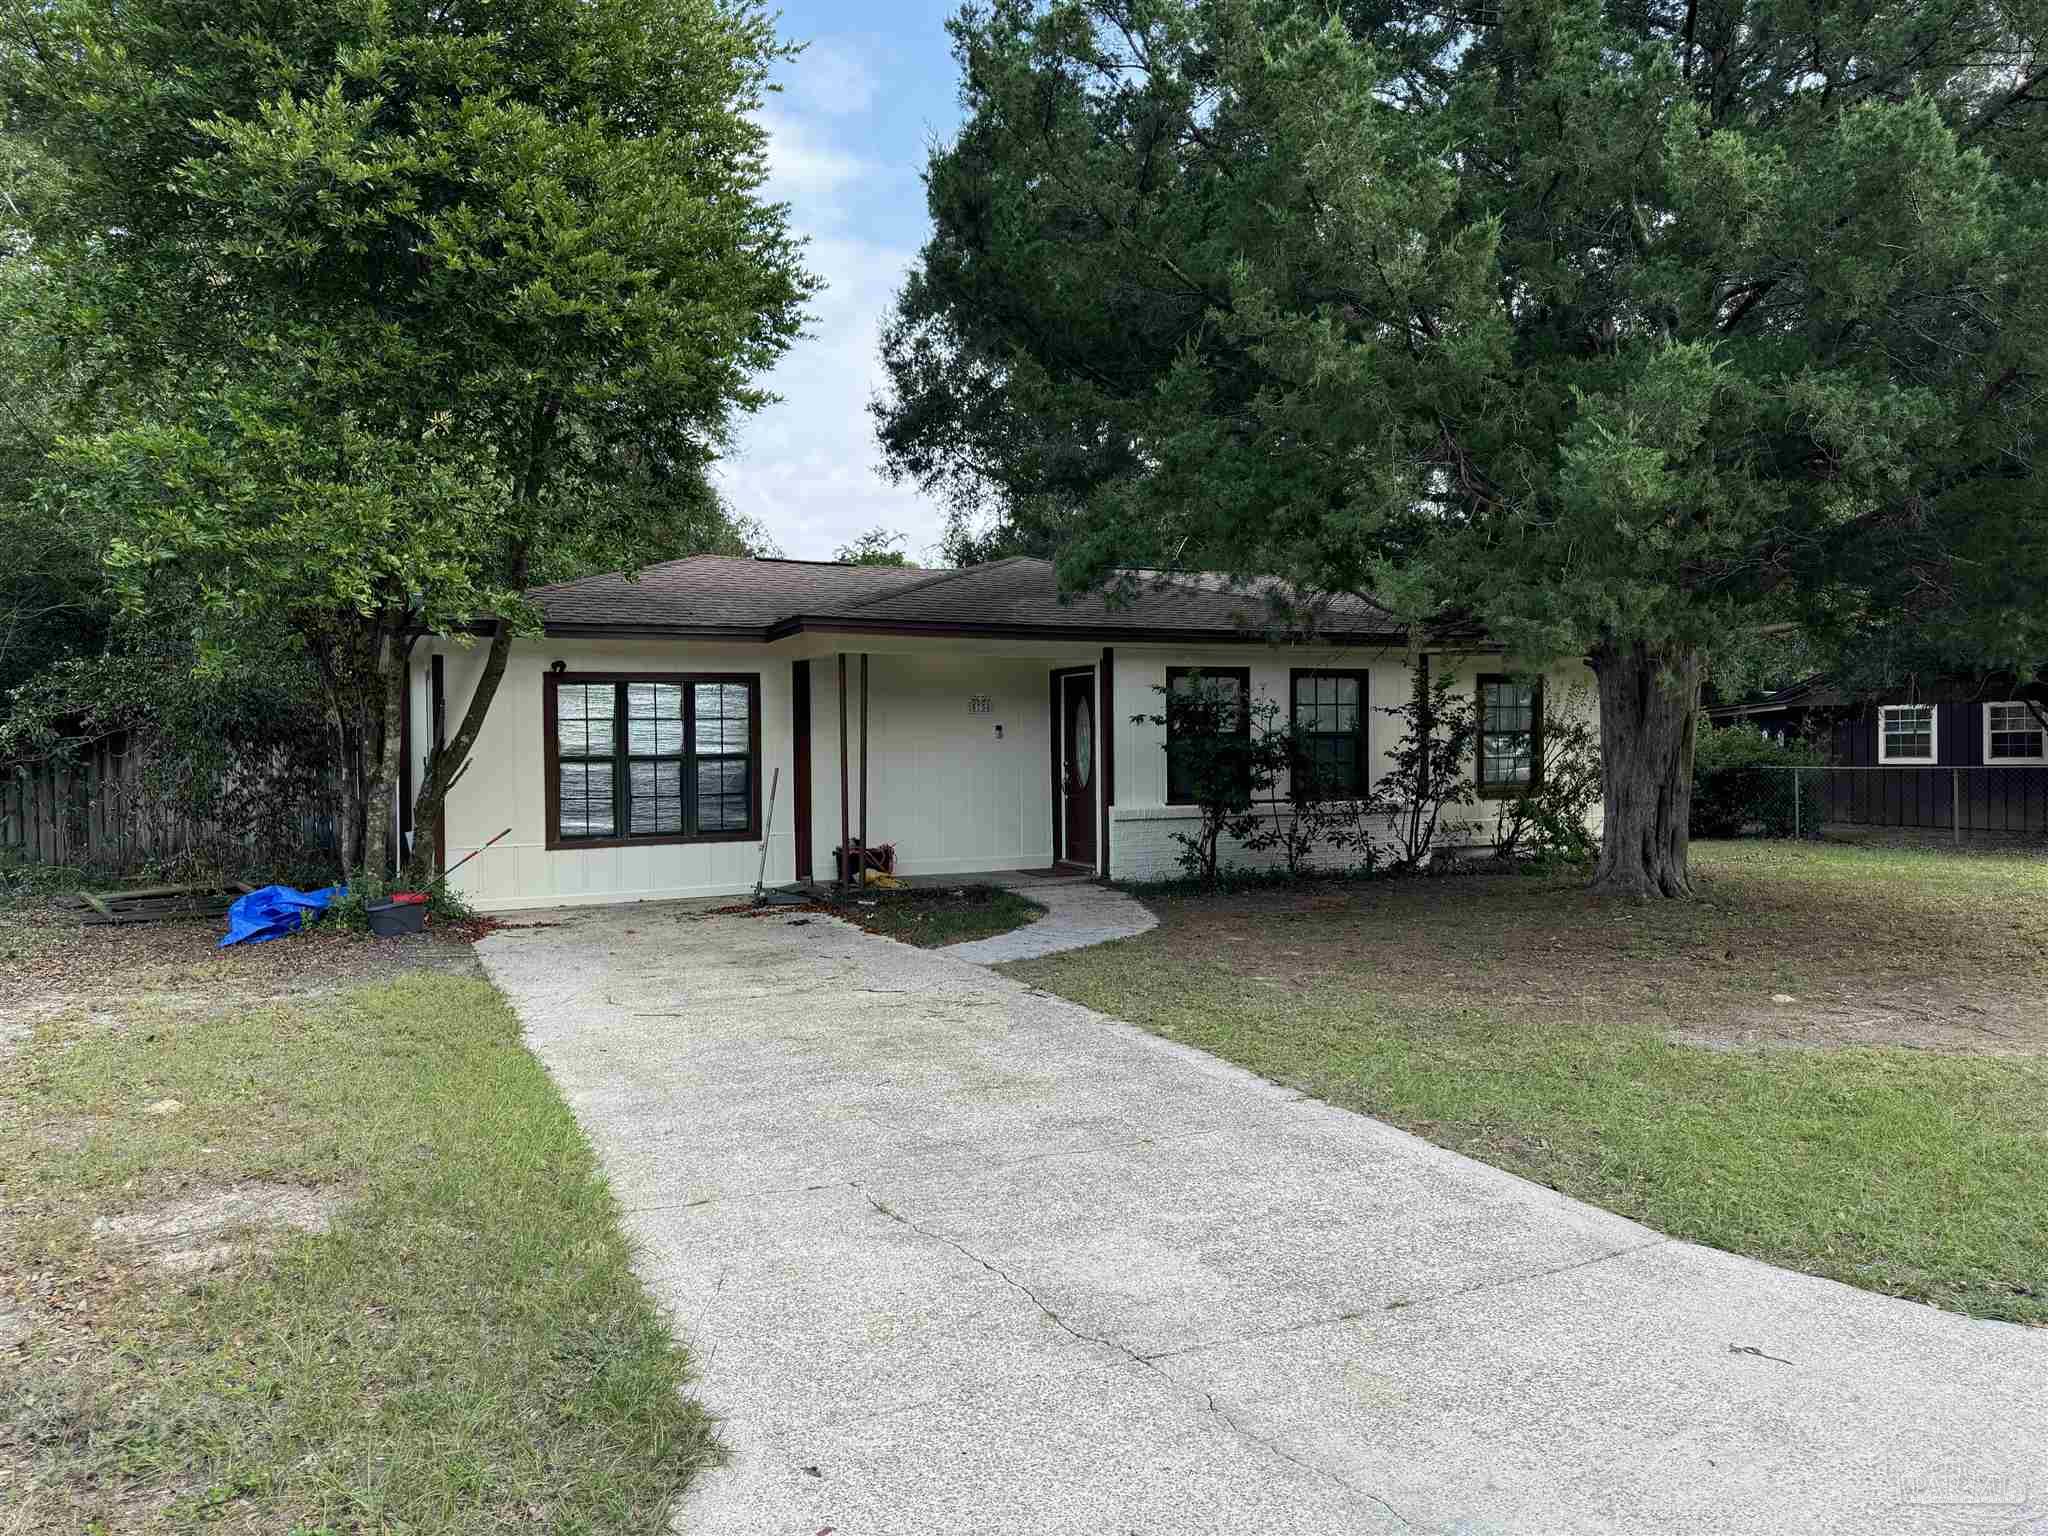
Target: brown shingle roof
(716, 591)
(756, 598)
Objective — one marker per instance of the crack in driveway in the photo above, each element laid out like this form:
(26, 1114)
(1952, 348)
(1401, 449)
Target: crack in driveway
(1149, 1362)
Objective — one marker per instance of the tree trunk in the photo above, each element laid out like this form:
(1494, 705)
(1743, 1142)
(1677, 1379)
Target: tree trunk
(385, 697)
(345, 818)
(445, 764)
(1648, 705)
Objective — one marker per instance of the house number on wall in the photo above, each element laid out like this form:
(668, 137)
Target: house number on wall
(981, 704)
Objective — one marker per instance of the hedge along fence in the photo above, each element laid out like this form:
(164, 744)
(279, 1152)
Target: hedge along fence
(105, 809)
(166, 760)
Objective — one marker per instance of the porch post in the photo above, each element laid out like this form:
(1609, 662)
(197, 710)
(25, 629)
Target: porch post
(862, 866)
(840, 874)
(1105, 735)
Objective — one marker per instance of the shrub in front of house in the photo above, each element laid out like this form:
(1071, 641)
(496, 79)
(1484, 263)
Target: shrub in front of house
(1256, 782)
(1742, 781)
(1555, 822)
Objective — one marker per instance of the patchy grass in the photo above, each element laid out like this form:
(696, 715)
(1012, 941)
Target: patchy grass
(1836, 1061)
(931, 915)
(338, 1264)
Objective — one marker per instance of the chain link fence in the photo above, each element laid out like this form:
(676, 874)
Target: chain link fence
(1996, 804)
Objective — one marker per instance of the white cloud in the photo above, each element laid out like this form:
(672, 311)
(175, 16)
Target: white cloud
(833, 77)
(806, 467)
(807, 170)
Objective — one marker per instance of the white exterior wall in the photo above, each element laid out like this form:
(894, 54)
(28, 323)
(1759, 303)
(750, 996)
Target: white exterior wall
(506, 782)
(952, 795)
(1143, 824)
(942, 786)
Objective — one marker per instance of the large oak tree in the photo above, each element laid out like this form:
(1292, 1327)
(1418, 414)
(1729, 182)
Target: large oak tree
(1626, 327)
(435, 299)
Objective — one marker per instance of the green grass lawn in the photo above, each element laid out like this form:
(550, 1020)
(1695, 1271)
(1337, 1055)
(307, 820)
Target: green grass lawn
(1836, 1060)
(931, 915)
(461, 1347)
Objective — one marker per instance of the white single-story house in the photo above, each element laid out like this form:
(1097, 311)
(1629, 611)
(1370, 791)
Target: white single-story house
(644, 746)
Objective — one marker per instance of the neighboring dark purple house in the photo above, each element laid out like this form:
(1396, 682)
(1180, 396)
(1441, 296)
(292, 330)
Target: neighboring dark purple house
(1910, 760)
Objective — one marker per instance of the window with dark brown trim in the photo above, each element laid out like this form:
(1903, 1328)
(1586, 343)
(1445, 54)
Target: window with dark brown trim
(656, 757)
(1510, 733)
(1329, 713)
(1179, 679)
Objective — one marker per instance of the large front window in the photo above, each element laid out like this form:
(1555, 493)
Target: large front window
(665, 757)
(1906, 733)
(1510, 733)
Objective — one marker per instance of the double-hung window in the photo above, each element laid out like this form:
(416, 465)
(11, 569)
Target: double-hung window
(1906, 733)
(1232, 688)
(1510, 733)
(654, 758)
(1330, 730)
(2013, 733)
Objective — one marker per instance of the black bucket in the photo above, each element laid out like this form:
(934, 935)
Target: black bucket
(388, 919)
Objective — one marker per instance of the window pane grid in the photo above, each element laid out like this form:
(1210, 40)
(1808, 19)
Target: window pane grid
(685, 766)
(586, 800)
(1508, 716)
(724, 794)
(2015, 732)
(583, 720)
(1329, 717)
(1909, 730)
(1184, 680)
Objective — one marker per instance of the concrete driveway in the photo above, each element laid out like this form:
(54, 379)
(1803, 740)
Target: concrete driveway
(956, 1256)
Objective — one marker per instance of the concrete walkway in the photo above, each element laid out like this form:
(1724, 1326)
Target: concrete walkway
(1078, 913)
(955, 1256)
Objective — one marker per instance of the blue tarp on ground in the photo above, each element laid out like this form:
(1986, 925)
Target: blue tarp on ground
(274, 912)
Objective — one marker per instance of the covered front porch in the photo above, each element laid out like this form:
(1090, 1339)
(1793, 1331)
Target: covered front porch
(952, 758)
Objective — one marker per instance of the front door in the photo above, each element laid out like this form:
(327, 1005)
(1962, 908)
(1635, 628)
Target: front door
(1077, 777)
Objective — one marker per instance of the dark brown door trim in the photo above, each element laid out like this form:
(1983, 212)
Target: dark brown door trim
(1105, 732)
(800, 748)
(1061, 853)
(439, 725)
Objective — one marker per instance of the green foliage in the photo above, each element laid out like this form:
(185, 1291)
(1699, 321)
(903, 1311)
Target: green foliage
(1548, 824)
(1743, 780)
(1251, 776)
(1439, 733)
(875, 547)
(351, 911)
(426, 303)
(221, 762)
(1624, 330)
(53, 599)
(1218, 761)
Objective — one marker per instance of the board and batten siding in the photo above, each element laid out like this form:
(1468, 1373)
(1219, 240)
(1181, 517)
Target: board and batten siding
(943, 786)
(506, 785)
(1143, 825)
(952, 794)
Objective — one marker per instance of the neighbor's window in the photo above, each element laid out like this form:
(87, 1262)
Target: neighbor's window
(1905, 733)
(1510, 726)
(664, 758)
(1236, 681)
(1330, 725)
(2013, 734)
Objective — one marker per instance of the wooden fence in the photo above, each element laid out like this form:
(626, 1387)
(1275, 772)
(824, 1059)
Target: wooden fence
(101, 813)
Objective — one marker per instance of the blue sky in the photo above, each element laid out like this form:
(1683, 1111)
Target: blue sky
(849, 133)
